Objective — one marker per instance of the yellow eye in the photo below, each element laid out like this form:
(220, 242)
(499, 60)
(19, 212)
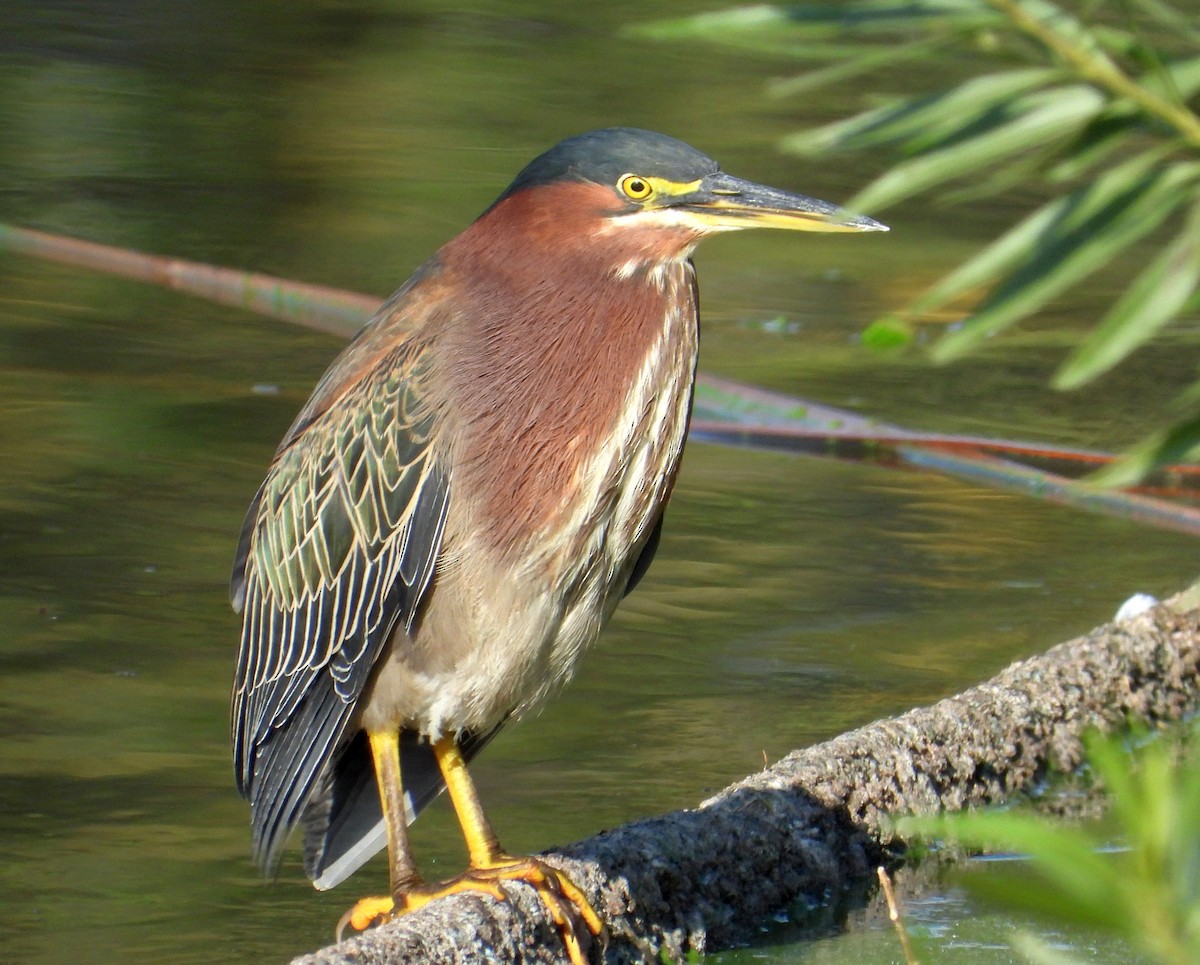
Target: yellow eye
(635, 188)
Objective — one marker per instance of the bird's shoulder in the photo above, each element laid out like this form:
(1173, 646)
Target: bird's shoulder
(346, 478)
(395, 342)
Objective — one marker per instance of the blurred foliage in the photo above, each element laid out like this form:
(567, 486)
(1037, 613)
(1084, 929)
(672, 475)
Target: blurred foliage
(1088, 105)
(1145, 890)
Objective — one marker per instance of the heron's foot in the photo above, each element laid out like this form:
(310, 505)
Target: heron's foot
(567, 905)
(365, 913)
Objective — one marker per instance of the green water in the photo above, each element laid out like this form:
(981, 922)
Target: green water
(341, 143)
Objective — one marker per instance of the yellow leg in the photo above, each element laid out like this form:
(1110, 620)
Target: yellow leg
(402, 872)
(482, 845)
(385, 752)
(490, 864)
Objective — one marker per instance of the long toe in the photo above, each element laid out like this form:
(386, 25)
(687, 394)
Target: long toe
(365, 913)
(568, 906)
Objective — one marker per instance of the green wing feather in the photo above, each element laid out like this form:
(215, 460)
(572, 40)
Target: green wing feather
(338, 549)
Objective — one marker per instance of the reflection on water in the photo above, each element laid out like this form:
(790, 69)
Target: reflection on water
(945, 926)
(791, 599)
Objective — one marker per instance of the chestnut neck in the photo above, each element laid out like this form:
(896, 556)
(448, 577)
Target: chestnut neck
(559, 331)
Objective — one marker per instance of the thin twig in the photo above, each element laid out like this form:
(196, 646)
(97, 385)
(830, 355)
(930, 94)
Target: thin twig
(885, 882)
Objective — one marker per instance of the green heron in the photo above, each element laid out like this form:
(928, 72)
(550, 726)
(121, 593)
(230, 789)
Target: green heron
(475, 483)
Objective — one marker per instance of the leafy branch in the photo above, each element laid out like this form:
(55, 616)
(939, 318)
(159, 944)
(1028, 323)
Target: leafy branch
(1091, 63)
(1098, 113)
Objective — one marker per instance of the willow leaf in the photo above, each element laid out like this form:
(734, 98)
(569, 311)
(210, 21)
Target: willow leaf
(1155, 297)
(1065, 855)
(1183, 25)
(1114, 770)
(1179, 443)
(1072, 252)
(763, 28)
(1179, 80)
(1053, 119)
(1057, 20)
(1016, 174)
(815, 30)
(953, 110)
(716, 23)
(1108, 133)
(849, 68)
(1038, 952)
(861, 14)
(1018, 242)
(1001, 255)
(884, 19)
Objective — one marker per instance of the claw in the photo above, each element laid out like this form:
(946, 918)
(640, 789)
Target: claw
(567, 905)
(365, 913)
(556, 891)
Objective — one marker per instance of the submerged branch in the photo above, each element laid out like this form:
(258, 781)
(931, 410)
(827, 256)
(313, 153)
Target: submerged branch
(317, 307)
(747, 415)
(815, 822)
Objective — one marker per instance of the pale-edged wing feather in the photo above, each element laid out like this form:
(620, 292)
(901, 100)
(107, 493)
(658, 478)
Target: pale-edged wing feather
(338, 549)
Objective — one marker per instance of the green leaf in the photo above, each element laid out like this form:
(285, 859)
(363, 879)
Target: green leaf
(814, 31)
(1071, 249)
(1109, 132)
(944, 113)
(1039, 953)
(1029, 834)
(1147, 892)
(1183, 25)
(1001, 255)
(1155, 298)
(1041, 118)
(888, 333)
(1015, 174)
(714, 24)
(851, 67)
(1026, 888)
(762, 28)
(1065, 857)
(1018, 242)
(1055, 19)
(1179, 443)
(1113, 765)
(1179, 80)
(959, 125)
(875, 14)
